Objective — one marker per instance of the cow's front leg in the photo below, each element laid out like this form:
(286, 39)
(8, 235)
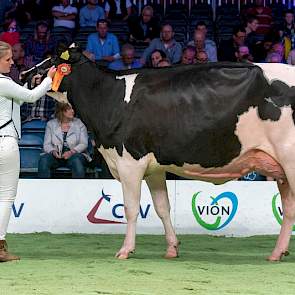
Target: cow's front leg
(131, 179)
(288, 204)
(158, 189)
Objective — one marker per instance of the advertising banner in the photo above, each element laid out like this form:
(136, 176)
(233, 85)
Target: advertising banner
(237, 208)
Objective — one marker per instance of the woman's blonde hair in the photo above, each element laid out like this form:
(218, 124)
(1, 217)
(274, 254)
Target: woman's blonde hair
(4, 47)
(59, 110)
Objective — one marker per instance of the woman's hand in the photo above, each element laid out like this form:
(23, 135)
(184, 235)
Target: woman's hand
(56, 155)
(68, 154)
(51, 72)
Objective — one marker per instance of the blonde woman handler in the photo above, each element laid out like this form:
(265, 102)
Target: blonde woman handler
(11, 96)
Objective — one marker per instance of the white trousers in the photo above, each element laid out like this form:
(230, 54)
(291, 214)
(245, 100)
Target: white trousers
(9, 175)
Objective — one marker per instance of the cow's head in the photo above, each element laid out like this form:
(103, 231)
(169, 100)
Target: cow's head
(66, 56)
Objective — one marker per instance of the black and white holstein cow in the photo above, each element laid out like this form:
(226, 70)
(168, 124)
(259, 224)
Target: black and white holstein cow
(213, 122)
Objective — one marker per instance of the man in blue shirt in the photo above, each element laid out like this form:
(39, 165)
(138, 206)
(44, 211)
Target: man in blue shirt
(103, 45)
(167, 44)
(90, 14)
(127, 61)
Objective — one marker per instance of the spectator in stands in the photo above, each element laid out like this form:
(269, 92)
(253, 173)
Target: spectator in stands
(118, 9)
(90, 14)
(202, 27)
(103, 45)
(127, 60)
(21, 62)
(188, 56)
(166, 43)
(278, 48)
(42, 109)
(201, 57)
(12, 94)
(227, 48)
(243, 54)
(288, 27)
(252, 38)
(264, 16)
(64, 15)
(262, 48)
(163, 63)
(144, 28)
(65, 144)
(10, 34)
(291, 57)
(156, 56)
(273, 57)
(41, 43)
(201, 45)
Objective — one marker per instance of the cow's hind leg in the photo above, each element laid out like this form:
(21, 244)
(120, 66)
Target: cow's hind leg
(288, 204)
(131, 177)
(157, 186)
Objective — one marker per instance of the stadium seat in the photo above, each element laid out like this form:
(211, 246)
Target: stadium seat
(29, 158)
(31, 140)
(35, 127)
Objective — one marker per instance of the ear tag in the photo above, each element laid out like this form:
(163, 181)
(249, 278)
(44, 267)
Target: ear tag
(65, 55)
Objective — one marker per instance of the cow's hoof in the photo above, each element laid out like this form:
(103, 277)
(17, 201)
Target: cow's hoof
(172, 251)
(277, 258)
(123, 254)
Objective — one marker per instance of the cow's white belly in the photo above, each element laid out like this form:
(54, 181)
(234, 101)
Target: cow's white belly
(260, 141)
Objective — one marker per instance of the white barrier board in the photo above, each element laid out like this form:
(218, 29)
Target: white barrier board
(236, 208)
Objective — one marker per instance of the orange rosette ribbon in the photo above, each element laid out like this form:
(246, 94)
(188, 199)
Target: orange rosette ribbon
(62, 70)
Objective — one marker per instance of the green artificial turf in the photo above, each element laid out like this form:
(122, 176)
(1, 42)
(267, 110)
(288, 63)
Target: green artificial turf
(85, 264)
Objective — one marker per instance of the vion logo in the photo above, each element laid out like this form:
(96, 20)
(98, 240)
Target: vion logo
(117, 211)
(277, 209)
(216, 214)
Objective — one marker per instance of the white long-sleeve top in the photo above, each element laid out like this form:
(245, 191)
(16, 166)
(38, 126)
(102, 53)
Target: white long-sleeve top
(9, 90)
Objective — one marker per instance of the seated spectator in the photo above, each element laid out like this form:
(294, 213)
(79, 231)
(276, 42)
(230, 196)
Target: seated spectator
(42, 109)
(21, 62)
(65, 144)
(167, 44)
(273, 57)
(252, 38)
(90, 14)
(41, 43)
(251, 25)
(201, 45)
(278, 48)
(156, 56)
(143, 28)
(118, 9)
(287, 30)
(188, 56)
(243, 54)
(202, 27)
(201, 57)
(127, 60)
(291, 58)
(262, 48)
(264, 16)
(227, 48)
(103, 45)
(64, 15)
(163, 63)
(10, 34)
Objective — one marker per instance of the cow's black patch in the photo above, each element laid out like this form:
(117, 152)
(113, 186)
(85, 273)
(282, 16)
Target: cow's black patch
(185, 114)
